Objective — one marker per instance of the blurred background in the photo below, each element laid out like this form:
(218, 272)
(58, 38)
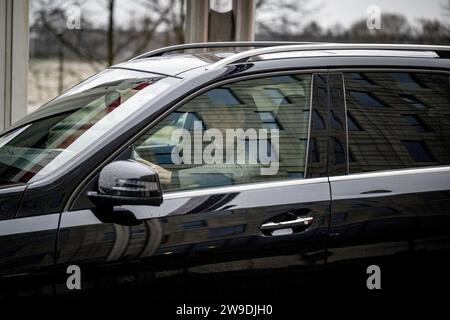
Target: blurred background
(71, 40)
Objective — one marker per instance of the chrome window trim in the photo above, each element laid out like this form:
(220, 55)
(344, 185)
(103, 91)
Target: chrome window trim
(242, 187)
(183, 101)
(311, 95)
(388, 69)
(344, 93)
(390, 173)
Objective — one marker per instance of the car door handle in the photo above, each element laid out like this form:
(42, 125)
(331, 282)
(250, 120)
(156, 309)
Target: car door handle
(299, 224)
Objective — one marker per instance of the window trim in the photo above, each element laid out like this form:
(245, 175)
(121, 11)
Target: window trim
(243, 187)
(389, 173)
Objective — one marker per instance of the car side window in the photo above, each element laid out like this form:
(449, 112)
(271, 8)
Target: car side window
(244, 132)
(397, 120)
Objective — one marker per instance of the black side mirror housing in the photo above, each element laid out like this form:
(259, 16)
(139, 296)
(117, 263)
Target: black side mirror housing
(127, 182)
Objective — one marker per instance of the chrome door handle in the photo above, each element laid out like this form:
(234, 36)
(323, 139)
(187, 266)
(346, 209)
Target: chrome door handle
(299, 222)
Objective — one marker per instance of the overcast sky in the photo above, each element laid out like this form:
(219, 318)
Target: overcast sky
(347, 11)
(327, 13)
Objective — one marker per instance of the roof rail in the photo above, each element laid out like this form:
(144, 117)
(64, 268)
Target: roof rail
(244, 56)
(205, 45)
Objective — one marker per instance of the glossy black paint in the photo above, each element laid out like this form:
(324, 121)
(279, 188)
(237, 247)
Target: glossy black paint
(209, 234)
(27, 249)
(10, 196)
(399, 222)
(219, 234)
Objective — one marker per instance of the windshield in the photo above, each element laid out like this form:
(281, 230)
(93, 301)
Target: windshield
(64, 127)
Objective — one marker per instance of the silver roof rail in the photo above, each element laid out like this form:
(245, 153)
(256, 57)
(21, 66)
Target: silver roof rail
(206, 45)
(245, 55)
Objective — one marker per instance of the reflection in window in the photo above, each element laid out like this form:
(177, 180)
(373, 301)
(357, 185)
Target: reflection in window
(318, 122)
(296, 175)
(339, 153)
(234, 148)
(412, 101)
(351, 157)
(412, 132)
(406, 80)
(283, 79)
(323, 96)
(352, 124)
(163, 154)
(418, 151)
(360, 78)
(268, 120)
(314, 153)
(223, 96)
(365, 99)
(277, 96)
(335, 121)
(416, 123)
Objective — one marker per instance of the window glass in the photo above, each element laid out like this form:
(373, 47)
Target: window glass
(360, 78)
(223, 96)
(365, 99)
(417, 151)
(411, 131)
(57, 132)
(415, 122)
(318, 121)
(413, 101)
(244, 132)
(335, 121)
(407, 80)
(277, 96)
(351, 123)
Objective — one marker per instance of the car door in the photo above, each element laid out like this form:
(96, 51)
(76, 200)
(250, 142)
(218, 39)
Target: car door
(392, 209)
(263, 216)
(27, 247)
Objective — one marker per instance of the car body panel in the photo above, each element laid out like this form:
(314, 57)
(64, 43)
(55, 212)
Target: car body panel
(371, 216)
(209, 233)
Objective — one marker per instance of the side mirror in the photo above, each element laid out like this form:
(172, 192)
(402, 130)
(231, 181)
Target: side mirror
(127, 182)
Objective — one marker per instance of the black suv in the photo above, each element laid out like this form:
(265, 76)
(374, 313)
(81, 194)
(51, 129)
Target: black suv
(233, 166)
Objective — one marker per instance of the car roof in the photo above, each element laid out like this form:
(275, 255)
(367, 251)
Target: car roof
(173, 64)
(166, 61)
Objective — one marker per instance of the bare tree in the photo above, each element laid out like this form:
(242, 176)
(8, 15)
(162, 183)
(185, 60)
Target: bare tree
(281, 17)
(394, 28)
(156, 15)
(111, 4)
(50, 15)
(433, 32)
(445, 5)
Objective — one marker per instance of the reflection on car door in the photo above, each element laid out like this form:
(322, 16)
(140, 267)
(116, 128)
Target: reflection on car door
(27, 247)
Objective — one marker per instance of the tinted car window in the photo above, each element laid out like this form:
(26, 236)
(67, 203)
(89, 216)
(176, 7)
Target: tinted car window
(397, 120)
(60, 130)
(244, 132)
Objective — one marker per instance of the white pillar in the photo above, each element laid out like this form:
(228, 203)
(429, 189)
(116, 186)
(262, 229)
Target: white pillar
(13, 60)
(197, 14)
